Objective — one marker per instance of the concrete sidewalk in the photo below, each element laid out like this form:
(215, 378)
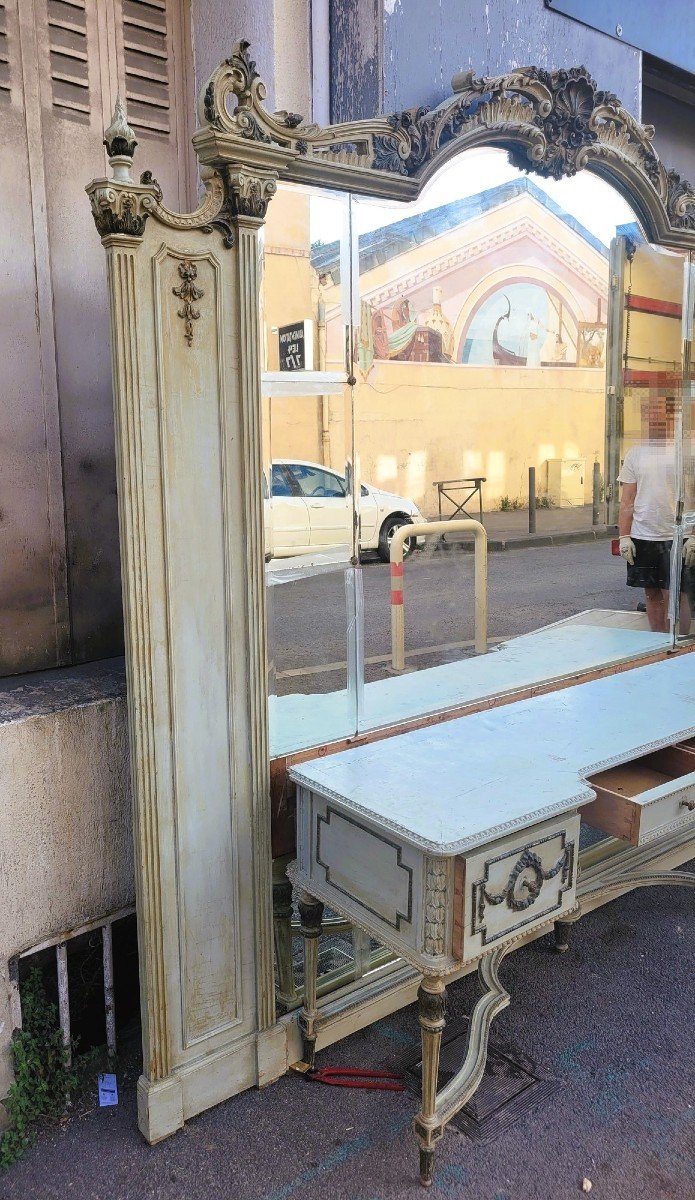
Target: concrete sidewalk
(554, 527)
(611, 1021)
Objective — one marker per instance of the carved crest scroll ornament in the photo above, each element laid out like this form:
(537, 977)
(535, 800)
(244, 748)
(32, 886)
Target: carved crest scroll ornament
(552, 122)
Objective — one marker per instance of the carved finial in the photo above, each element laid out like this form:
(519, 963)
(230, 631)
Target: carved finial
(120, 143)
(245, 68)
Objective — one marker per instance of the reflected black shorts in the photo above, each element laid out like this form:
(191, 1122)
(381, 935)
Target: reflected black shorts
(652, 566)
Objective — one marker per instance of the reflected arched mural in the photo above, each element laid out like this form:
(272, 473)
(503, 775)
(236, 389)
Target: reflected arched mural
(521, 324)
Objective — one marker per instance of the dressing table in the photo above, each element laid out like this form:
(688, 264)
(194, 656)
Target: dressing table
(449, 844)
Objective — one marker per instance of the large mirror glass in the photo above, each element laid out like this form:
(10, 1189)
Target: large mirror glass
(507, 373)
(504, 349)
(687, 451)
(647, 419)
(309, 502)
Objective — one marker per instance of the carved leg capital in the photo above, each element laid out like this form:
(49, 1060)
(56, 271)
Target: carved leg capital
(311, 915)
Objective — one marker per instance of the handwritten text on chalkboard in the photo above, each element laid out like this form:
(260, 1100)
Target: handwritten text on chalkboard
(294, 345)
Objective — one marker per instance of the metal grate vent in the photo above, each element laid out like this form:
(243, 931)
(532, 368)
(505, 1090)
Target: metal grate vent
(512, 1086)
(5, 89)
(146, 64)
(67, 29)
(83, 977)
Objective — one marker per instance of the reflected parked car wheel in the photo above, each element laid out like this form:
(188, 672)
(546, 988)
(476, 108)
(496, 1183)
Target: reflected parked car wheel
(391, 524)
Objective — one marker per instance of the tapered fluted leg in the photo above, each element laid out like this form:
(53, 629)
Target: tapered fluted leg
(431, 1014)
(311, 915)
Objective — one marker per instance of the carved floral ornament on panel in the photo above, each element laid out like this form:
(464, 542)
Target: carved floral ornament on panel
(554, 123)
(188, 292)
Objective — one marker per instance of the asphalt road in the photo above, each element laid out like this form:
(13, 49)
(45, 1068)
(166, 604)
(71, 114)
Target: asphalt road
(527, 588)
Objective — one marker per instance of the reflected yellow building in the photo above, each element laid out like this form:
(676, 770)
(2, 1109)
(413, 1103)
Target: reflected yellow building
(481, 346)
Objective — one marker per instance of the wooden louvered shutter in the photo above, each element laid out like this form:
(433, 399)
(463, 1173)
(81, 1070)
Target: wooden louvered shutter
(146, 58)
(5, 85)
(67, 31)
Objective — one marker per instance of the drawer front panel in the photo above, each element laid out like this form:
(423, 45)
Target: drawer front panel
(639, 800)
(517, 883)
(658, 815)
(366, 866)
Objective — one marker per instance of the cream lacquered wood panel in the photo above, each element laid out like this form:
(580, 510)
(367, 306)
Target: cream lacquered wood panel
(192, 430)
(191, 533)
(376, 875)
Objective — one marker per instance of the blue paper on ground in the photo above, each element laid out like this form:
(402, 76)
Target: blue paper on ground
(108, 1090)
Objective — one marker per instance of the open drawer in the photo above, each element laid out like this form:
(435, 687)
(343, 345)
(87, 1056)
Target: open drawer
(639, 800)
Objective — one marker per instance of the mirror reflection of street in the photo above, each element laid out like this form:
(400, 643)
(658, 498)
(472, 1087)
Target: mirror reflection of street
(528, 589)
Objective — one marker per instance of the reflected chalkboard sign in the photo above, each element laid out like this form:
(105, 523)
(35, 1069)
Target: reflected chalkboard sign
(296, 346)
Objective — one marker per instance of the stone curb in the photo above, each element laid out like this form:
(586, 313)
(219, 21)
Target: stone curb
(530, 541)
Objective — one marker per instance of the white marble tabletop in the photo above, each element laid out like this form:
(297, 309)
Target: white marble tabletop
(457, 785)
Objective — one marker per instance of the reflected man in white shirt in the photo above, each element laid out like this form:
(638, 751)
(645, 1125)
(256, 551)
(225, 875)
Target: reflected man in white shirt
(646, 519)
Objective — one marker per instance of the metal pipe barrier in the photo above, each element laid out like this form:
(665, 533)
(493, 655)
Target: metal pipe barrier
(397, 607)
(532, 499)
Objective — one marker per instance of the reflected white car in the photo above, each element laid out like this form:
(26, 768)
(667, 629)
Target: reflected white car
(309, 510)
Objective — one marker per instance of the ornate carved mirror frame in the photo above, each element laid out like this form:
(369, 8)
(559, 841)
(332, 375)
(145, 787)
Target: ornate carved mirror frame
(184, 294)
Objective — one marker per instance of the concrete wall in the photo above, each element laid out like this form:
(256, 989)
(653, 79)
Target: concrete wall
(280, 35)
(424, 45)
(66, 853)
(674, 123)
(420, 58)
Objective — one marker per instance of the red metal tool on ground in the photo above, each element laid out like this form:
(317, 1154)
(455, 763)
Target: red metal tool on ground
(378, 1081)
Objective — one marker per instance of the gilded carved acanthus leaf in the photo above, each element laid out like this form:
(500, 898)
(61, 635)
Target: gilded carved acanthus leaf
(149, 180)
(549, 121)
(232, 103)
(213, 213)
(680, 201)
(119, 209)
(437, 882)
(250, 193)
